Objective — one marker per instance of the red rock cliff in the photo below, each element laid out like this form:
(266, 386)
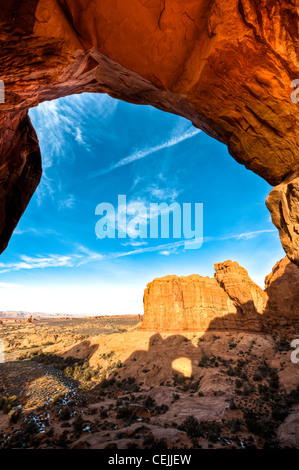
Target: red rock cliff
(229, 301)
(226, 66)
(282, 288)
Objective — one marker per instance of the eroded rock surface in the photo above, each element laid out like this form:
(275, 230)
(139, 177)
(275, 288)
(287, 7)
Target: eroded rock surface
(229, 301)
(283, 203)
(282, 287)
(247, 295)
(226, 66)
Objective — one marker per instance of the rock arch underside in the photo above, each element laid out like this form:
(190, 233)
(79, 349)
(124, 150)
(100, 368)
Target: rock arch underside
(225, 65)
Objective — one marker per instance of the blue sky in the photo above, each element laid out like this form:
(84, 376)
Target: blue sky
(95, 148)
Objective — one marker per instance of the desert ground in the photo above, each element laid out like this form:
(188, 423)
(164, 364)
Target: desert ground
(105, 383)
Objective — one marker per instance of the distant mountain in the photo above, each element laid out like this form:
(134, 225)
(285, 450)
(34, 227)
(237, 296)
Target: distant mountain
(22, 315)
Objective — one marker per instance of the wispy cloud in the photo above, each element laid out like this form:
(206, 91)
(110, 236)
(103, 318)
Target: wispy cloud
(248, 235)
(171, 251)
(67, 203)
(38, 262)
(139, 154)
(43, 232)
(83, 255)
(60, 125)
(134, 243)
(163, 193)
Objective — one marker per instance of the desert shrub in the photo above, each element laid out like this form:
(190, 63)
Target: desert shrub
(105, 383)
(293, 397)
(65, 413)
(204, 362)
(279, 412)
(160, 444)
(283, 345)
(232, 405)
(30, 427)
(162, 409)
(70, 366)
(257, 377)
(62, 441)
(274, 379)
(208, 429)
(234, 425)
(15, 415)
(248, 389)
(149, 402)
(191, 427)
(87, 375)
(259, 425)
(24, 356)
(238, 383)
(264, 370)
(57, 398)
(69, 371)
(263, 389)
(103, 414)
(7, 403)
(126, 413)
(108, 355)
(149, 442)
(78, 425)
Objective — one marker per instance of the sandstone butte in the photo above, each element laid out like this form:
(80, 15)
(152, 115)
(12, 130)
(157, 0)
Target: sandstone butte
(227, 66)
(230, 300)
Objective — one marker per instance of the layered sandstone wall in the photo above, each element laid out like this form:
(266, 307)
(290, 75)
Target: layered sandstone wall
(247, 295)
(229, 301)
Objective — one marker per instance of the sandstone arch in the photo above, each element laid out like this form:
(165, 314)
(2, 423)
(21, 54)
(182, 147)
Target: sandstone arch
(226, 66)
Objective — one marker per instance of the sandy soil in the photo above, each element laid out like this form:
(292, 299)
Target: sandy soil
(98, 383)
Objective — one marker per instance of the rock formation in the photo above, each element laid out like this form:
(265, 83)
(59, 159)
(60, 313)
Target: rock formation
(283, 203)
(234, 279)
(226, 66)
(229, 301)
(282, 288)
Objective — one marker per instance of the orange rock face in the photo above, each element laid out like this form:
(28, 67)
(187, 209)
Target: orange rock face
(175, 303)
(282, 287)
(283, 203)
(226, 66)
(229, 301)
(247, 295)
